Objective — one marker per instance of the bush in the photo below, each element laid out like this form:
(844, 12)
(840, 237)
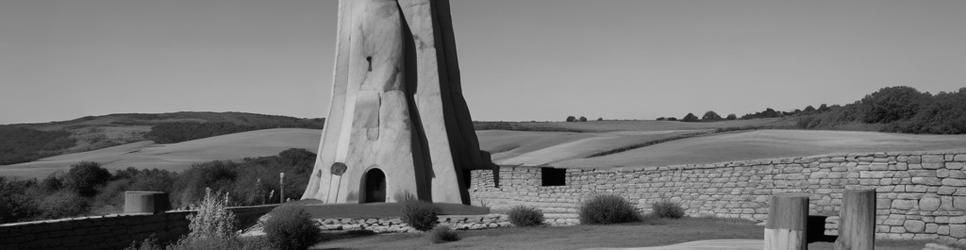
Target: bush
(290, 227)
(711, 116)
(420, 215)
(689, 118)
(85, 177)
(667, 209)
(607, 209)
(523, 216)
(212, 219)
(15, 203)
(63, 204)
(442, 234)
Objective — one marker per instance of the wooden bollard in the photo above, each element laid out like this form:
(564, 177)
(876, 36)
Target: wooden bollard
(787, 220)
(857, 221)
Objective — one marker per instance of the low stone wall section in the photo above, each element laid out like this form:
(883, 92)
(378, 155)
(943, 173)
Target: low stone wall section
(396, 225)
(109, 231)
(920, 195)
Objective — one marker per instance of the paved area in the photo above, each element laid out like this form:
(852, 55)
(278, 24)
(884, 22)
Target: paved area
(729, 244)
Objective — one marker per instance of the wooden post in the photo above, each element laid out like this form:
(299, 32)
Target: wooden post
(787, 220)
(857, 221)
(281, 187)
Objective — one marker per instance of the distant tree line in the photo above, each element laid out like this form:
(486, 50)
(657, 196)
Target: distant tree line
(18, 144)
(89, 189)
(173, 132)
(891, 109)
(897, 109)
(709, 116)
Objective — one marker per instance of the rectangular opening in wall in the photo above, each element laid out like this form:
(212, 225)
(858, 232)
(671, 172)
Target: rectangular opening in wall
(553, 177)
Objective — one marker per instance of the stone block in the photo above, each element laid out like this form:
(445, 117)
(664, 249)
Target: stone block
(932, 159)
(960, 157)
(903, 204)
(956, 165)
(959, 202)
(914, 226)
(929, 203)
(958, 231)
(926, 181)
(954, 182)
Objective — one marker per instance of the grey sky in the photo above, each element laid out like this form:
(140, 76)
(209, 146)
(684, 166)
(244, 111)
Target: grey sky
(520, 59)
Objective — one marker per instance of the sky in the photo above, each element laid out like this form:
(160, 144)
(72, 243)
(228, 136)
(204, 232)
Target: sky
(520, 59)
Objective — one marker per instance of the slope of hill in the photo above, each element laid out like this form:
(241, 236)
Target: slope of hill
(176, 156)
(762, 144)
(632, 125)
(96, 132)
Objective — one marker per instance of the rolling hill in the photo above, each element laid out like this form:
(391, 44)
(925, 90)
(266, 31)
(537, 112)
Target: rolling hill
(97, 132)
(610, 144)
(176, 156)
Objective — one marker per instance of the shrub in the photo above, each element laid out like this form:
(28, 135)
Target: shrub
(15, 203)
(85, 177)
(420, 215)
(667, 209)
(212, 219)
(711, 116)
(689, 118)
(63, 204)
(571, 119)
(524, 216)
(442, 234)
(582, 119)
(290, 227)
(607, 209)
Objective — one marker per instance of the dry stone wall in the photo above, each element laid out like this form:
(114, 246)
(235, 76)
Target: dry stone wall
(396, 225)
(920, 195)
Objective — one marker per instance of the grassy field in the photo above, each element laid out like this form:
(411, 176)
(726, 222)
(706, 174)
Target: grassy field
(97, 132)
(176, 156)
(631, 125)
(761, 144)
(585, 236)
(644, 143)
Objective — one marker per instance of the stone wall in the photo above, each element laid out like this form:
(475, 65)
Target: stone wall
(107, 232)
(396, 225)
(921, 195)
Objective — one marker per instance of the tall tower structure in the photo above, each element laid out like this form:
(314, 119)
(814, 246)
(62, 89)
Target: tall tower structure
(398, 127)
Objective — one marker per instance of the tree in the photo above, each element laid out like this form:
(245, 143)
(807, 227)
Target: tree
(823, 108)
(711, 116)
(891, 104)
(690, 118)
(732, 117)
(661, 118)
(583, 119)
(85, 177)
(672, 119)
(600, 118)
(571, 119)
(809, 109)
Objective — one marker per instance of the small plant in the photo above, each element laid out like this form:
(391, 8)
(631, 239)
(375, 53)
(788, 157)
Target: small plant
(442, 234)
(524, 216)
(212, 218)
(420, 215)
(607, 209)
(290, 227)
(667, 209)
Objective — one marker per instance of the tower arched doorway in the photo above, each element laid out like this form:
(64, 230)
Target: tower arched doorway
(374, 184)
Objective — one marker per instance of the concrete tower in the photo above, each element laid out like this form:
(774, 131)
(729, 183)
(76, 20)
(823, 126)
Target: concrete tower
(398, 127)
